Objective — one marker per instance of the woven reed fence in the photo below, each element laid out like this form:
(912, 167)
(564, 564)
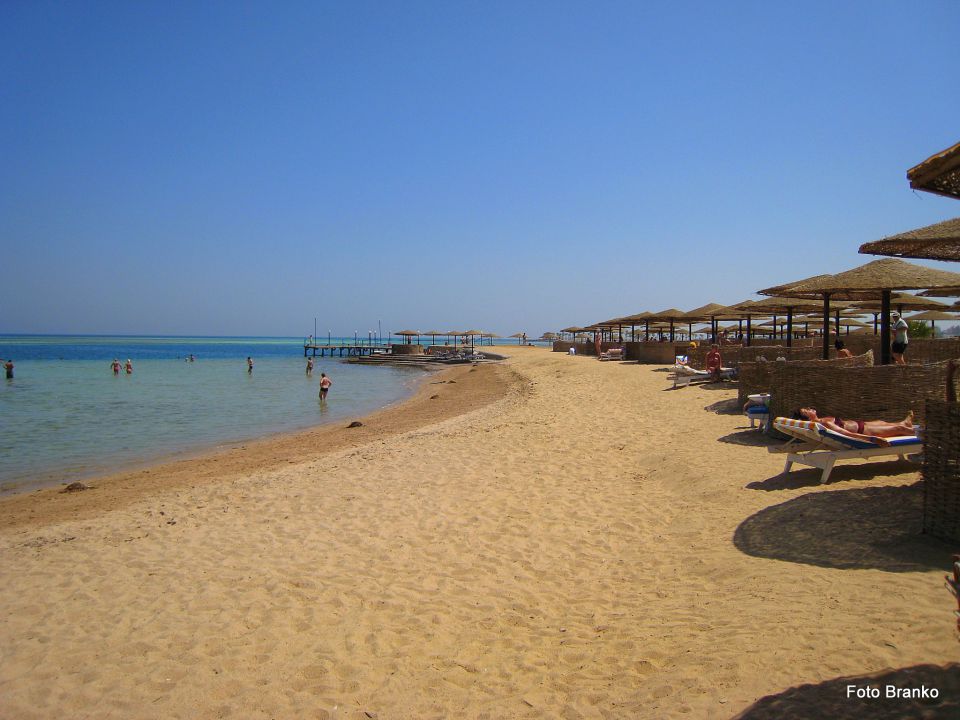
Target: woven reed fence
(583, 348)
(880, 392)
(941, 470)
(929, 350)
(920, 351)
(772, 352)
(755, 377)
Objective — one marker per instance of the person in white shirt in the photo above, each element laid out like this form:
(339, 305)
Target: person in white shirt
(900, 338)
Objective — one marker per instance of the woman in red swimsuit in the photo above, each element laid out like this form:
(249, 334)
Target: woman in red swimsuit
(870, 430)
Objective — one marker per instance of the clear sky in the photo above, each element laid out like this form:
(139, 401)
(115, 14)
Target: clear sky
(243, 167)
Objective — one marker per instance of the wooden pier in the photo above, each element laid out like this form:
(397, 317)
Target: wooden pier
(348, 349)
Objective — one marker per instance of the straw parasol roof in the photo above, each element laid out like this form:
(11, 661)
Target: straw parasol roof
(869, 280)
(941, 292)
(935, 242)
(784, 304)
(707, 311)
(902, 301)
(407, 332)
(520, 334)
(934, 315)
(939, 174)
(665, 315)
(780, 290)
(850, 312)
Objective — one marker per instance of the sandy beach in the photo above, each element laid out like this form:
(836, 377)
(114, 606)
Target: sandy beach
(548, 537)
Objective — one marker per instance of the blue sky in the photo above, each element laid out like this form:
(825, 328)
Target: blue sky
(241, 168)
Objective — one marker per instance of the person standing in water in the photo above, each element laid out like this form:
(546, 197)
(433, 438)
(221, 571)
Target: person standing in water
(249, 364)
(8, 366)
(325, 384)
(309, 366)
(129, 367)
(115, 366)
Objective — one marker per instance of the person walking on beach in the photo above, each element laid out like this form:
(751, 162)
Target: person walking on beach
(129, 367)
(325, 384)
(309, 366)
(900, 338)
(115, 366)
(8, 366)
(249, 364)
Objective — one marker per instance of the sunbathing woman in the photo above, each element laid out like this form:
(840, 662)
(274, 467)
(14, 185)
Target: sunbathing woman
(870, 430)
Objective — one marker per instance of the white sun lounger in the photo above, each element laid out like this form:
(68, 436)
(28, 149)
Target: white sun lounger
(814, 445)
(684, 375)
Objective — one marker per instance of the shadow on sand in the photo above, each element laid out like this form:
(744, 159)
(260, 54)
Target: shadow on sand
(829, 698)
(730, 406)
(750, 437)
(865, 528)
(810, 477)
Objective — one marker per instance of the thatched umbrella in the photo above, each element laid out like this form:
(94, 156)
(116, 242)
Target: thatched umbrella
(933, 316)
(939, 174)
(670, 316)
(745, 310)
(473, 334)
(634, 320)
(900, 301)
(618, 322)
(710, 311)
(409, 334)
(778, 305)
(941, 292)
(877, 278)
(433, 335)
(934, 242)
(519, 336)
(837, 317)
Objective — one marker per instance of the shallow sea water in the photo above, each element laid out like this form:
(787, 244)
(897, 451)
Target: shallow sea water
(65, 415)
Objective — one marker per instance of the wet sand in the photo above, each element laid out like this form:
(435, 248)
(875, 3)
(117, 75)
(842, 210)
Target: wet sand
(550, 537)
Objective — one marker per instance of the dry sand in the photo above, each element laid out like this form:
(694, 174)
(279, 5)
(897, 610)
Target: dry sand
(551, 537)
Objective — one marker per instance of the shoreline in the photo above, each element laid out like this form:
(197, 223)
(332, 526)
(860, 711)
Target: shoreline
(592, 544)
(38, 507)
(53, 479)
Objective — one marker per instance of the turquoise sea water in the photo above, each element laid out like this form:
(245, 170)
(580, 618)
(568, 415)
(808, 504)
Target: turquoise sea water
(65, 415)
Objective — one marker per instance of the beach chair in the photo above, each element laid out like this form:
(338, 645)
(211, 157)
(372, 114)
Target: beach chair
(814, 445)
(759, 413)
(684, 375)
(612, 354)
